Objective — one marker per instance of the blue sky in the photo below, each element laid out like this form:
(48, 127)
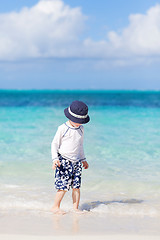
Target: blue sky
(55, 44)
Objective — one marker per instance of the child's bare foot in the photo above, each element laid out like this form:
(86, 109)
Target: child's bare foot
(58, 211)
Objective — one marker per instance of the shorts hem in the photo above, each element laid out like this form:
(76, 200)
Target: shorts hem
(66, 190)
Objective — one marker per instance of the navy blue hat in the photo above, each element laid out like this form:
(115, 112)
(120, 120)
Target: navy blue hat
(77, 112)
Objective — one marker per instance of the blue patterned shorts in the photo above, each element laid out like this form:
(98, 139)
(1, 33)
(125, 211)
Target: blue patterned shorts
(68, 174)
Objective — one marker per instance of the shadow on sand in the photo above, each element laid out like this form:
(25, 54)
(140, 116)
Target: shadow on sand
(91, 205)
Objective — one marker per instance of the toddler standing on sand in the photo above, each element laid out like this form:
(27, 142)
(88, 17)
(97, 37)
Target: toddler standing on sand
(68, 155)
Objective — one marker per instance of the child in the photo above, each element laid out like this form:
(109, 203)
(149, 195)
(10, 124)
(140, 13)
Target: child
(68, 155)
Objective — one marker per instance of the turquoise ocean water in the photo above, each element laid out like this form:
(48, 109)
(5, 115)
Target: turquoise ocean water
(122, 146)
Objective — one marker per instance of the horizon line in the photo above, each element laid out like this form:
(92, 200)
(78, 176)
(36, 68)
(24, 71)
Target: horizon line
(76, 89)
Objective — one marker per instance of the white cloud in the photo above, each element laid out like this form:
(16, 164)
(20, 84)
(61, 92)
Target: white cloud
(53, 29)
(142, 36)
(140, 39)
(138, 43)
(48, 29)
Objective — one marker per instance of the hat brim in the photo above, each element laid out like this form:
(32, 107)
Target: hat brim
(74, 119)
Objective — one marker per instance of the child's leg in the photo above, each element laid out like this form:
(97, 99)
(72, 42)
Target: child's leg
(76, 197)
(59, 196)
(76, 184)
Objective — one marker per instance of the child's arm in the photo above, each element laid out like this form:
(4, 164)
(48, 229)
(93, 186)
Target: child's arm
(54, 148)
(83, 159)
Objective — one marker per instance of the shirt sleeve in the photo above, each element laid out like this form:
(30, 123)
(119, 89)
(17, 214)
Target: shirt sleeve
(82, 155)
(55, 145)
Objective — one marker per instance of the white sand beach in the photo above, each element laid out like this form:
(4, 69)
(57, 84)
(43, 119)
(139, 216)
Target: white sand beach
(82, 237)
(47, 226)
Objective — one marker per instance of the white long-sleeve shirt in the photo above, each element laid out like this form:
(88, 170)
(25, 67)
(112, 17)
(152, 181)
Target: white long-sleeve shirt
(68, 141)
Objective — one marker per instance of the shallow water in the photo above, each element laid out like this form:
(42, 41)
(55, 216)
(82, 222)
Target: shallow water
(121, 146)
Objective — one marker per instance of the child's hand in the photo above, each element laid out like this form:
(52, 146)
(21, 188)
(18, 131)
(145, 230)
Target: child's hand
(55, 164)
(85, 164)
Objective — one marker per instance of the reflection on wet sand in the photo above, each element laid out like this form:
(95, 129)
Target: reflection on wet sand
(67, 223)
